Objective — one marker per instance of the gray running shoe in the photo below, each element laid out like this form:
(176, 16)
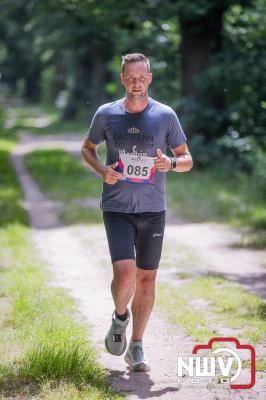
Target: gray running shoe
(135, 358)
(115, 340)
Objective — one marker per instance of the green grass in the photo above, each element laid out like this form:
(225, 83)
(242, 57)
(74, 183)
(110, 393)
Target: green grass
(179, 310)
(210, 195)
(62, 176)
(52, 351)
(11, 199)
(260, 364)
(175, 255)
(213, 301)
(77, 214)
(253, 240)
(8, 137)
(65, 179)
(44, 353)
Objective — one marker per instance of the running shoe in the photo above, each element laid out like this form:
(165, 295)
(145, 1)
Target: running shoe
(135, 357)
(115, 340)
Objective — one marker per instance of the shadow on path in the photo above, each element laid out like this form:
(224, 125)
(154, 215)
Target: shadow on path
(139, 383)
(254, 282)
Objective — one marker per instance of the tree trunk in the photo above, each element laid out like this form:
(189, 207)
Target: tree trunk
(201, 38)
(32, 86)
(99, 73)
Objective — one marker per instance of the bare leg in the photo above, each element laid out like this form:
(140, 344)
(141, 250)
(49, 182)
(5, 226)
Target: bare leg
(123, 283)
(143, 301)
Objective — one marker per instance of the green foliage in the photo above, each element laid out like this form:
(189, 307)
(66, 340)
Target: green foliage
(68, 53)
(79, 64)
(245, 35)
(20, 42)
(236, 74)
(159, 38)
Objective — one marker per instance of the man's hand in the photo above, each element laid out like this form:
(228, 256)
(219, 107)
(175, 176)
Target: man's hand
(162, 162)
(111, 176)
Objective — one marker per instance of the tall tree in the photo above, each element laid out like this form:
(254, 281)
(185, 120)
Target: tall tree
(201, 25)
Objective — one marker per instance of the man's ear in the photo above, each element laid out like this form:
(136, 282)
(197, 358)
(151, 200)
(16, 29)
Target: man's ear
(122, 79)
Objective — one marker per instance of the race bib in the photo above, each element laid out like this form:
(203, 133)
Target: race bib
(137, 168)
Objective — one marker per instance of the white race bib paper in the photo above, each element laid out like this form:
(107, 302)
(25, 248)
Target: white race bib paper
(137, 168)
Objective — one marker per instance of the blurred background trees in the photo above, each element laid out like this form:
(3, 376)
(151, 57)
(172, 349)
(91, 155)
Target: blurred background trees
(207, 56)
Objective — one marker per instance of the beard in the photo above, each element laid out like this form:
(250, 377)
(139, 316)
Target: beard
(137, 95)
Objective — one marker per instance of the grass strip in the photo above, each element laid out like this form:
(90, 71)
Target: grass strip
(11, 198)
(65, 179)
(79, 214)
(43, 119)
(177, 307)
(211, 196)
(51, 350)
(45, 354)
(253, 240)
(213, 301)
(61, 175)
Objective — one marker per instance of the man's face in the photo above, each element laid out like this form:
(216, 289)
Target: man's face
(136, 79)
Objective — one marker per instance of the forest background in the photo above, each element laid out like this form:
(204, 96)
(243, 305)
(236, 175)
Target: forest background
(208, 61)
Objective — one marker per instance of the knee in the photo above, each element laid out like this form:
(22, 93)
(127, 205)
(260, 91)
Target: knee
(124, 273)
(123, 280)
(146, 286)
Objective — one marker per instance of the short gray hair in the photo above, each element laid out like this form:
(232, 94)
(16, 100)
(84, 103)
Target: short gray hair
(132, 58)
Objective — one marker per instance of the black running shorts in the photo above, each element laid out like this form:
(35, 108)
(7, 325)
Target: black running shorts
(136, 236)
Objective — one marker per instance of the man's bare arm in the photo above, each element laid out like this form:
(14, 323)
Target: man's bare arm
(90, 156)
(184, 161)
(182, 157)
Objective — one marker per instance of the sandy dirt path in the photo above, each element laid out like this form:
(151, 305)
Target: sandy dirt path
(79, 261)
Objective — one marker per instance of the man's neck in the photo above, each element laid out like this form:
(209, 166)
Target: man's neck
(137, 105)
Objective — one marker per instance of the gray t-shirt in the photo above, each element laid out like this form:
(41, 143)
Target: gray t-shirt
(132, 139)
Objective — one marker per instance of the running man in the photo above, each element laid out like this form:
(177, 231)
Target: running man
(137, 130)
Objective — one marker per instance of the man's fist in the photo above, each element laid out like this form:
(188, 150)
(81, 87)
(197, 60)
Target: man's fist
(111, 176)
(162, 162)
